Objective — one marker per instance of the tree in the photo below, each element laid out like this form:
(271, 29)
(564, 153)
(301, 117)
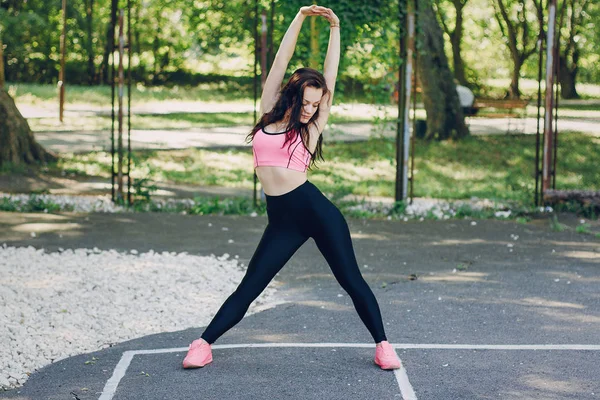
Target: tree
(456, 36)
(17, 144)
(362, 19)
(445, 119)
(515, 23)
(574, 11)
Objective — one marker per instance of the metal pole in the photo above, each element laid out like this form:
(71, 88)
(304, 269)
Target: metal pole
(539, 113)
(414, 121)
(556, 103)
(112, 113)
(129, 47)
(537, 196)
(61, 73)
(120, 111)
(548, 131)
(408, 89)
(399, 194)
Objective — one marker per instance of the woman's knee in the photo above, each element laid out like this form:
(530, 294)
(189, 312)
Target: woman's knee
(245, 295)
(354, 286)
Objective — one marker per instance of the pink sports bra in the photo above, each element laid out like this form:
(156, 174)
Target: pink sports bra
(268, 151)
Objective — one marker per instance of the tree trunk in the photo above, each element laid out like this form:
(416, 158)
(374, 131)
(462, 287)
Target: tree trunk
(456, 41)
(17, 144)
(156, 48)
(567, 77)
(459, 64)
(110, 40)
(456, 36)
(90, 42)
(445, 119)
(514, 92)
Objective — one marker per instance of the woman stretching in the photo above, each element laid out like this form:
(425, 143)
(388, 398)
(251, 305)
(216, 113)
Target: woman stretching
(285, 141)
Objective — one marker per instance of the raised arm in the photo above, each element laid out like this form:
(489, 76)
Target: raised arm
(283, 57)
(330, 68)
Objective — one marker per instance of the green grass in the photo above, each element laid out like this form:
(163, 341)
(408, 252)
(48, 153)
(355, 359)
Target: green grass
(557, 226)
(584, 228)
(495, 167)
(37, 94)
(143, 121)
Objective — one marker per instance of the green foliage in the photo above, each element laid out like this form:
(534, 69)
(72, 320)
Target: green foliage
(143, 189)
(584, 228)
(555, 225)
(33, 204)
(176, 42)
(586, 210)
(398, 208)
(203, 205)
(37, 204)
(7, 204)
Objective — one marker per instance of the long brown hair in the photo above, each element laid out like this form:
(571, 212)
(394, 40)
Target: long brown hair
(290, 101)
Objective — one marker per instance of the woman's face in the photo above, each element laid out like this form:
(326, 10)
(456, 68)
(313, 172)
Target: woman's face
(310, 103)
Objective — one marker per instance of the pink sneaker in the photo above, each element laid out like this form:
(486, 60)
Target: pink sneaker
(386, 357)
(199, 354)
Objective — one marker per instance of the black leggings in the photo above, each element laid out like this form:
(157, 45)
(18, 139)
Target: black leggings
(293, 218)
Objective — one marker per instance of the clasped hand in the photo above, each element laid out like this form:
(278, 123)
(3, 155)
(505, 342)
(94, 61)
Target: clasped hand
(325, 12)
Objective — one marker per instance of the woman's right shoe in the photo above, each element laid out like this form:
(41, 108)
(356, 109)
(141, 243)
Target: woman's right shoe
(199, 354)
(386, 357)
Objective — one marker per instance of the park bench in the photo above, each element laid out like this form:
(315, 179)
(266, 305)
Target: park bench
(504, 108)
(513, 108)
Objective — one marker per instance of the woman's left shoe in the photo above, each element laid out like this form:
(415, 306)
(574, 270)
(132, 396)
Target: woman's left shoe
(386, 357)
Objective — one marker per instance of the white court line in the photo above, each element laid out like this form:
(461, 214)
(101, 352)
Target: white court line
(406, 388)
(111, 385)
(401, 376)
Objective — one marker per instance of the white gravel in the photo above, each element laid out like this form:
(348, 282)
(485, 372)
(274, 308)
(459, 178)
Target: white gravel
(56, 305)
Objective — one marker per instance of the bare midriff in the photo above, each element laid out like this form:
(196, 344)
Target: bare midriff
(276, 181)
